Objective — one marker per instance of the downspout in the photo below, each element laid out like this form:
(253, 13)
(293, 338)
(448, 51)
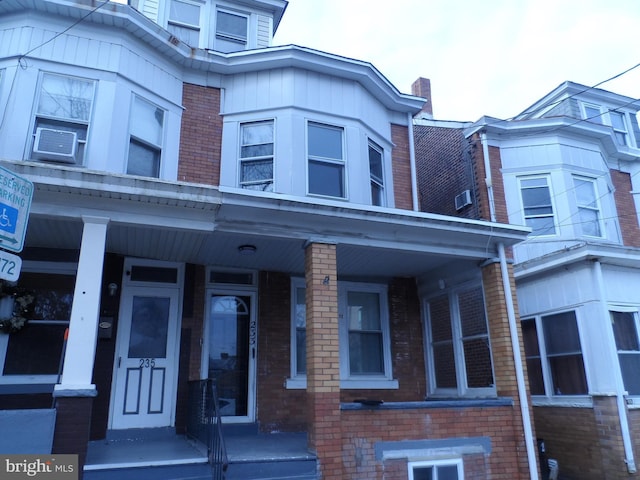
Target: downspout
(412, 163)
(620, 390)
(517, 357)
(488, 178)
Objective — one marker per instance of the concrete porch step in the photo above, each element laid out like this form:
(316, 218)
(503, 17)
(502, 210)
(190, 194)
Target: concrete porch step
(268, 456)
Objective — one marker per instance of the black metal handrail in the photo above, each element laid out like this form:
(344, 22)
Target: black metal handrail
(205, 424)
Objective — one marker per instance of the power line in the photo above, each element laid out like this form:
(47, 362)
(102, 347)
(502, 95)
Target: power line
(80, 20)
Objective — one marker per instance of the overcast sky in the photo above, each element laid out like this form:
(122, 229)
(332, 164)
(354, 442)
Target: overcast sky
(484, 57)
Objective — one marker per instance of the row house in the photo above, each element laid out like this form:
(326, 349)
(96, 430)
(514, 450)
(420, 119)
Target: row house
(211, 209)
(567, 167)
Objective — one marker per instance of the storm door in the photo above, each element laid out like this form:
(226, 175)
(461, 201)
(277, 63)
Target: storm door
(146, 356)
(231, 353)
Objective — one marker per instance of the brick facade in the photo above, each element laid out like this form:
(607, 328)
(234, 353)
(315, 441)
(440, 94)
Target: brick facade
(279, 409)
(73, 423)
(627, 214)
(401, 166)
(201, 135)
(444, 170)
(502, 353)
(586, 441)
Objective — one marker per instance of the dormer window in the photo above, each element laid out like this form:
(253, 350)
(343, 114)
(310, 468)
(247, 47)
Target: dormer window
(616, 120)
(619, 126)
(231, 31)
(184, 21)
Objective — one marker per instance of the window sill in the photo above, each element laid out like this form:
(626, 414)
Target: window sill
(300, 383)
(579, 401)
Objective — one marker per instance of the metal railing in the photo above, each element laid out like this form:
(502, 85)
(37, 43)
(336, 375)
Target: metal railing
(205, 424)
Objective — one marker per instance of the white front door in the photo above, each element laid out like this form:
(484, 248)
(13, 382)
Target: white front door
(146, 358)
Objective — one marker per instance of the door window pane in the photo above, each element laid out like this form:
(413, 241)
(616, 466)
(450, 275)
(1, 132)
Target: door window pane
(229, 343)
(149, 327)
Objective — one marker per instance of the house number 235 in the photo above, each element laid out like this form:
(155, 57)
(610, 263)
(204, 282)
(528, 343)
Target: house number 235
(147, 362)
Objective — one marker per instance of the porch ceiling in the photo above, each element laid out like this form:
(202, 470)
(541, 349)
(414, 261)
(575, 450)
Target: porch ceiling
(205, 225)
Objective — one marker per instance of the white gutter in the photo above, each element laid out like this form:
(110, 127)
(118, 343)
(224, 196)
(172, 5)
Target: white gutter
(517, 358)
(412, 161)
(488, 179)
(620, 390)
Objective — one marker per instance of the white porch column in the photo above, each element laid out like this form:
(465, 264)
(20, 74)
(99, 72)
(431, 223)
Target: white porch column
(77, 370)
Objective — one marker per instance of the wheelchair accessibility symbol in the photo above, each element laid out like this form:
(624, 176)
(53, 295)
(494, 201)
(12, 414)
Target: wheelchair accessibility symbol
(8, 218)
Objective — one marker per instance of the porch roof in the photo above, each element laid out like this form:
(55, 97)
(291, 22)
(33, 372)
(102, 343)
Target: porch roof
(205, 225)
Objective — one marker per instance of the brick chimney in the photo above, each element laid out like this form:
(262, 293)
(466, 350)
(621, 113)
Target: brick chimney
(422, 88)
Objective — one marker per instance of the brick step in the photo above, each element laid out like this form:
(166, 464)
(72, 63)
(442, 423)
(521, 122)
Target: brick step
(273, 470)
(162, 472)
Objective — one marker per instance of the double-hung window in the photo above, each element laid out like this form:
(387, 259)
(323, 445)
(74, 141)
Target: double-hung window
(625, 330)
(450, 469)
(554, 355)
(256, 156)
(376, 174)
(62, 118)
(587, 203)
(459, 348)
(537, 205)
(145, 138)
(365, 352)
(184, 21)
(619, 125)
(231, 31)
(326, 160)
(43, 300)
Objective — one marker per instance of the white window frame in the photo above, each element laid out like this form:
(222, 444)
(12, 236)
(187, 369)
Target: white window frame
(65, 123)
(553, 214)
(547, 377)
(375, 181)
(597, 209)
(450, 462)
(348, 381)
(54, 268)
(636, 318)
(224, 37)
(462, 389)
(586, 115)
(621, 134)
(242, 160)
(340, 162)
(605, 117)
(199, 27)
(157, 147)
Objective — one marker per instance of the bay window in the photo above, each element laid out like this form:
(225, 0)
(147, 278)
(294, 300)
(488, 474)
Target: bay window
(145, 138)
(587, 203)
(326, 167)
(256, 156)
(537, 205)
(376, 174)
(62, 117)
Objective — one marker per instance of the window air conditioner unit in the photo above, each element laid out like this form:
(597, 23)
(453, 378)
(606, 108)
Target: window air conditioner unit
(55, 145)
(463, 199)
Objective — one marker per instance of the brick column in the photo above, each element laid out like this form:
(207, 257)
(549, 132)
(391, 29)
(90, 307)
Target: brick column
(502, 353)
(323, 358)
